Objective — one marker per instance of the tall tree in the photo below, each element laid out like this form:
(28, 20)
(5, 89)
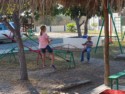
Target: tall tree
(76, 13)
(14, 11)
(15, 8)
(86, 25)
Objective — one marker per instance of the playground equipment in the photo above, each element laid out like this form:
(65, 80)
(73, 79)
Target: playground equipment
(108, 91)
(30, 32)
(67, 56)
(120, 46)
(64, 54)
(116, 77)
(120, 25)
(37, 51)
(8, 52)
(61, 53)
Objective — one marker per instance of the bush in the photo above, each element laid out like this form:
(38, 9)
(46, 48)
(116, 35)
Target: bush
(94, 25)
(71, 27)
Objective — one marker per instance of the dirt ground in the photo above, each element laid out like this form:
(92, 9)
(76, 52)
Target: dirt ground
(43, 81)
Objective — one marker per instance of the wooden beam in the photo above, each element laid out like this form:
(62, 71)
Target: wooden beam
(106, 44)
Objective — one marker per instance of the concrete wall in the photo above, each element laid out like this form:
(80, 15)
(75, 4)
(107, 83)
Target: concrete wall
(77, 42)
(60, 28)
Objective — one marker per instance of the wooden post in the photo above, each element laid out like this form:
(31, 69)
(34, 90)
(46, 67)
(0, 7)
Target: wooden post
(106, 45)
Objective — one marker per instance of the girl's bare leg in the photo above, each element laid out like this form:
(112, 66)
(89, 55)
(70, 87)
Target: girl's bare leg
(43, 60)
(52, 61)
(52, 58)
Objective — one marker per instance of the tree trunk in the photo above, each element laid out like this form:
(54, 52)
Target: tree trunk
(22, 60)
(78, 27)
(86, 26)
(106, 47)
(16, 32)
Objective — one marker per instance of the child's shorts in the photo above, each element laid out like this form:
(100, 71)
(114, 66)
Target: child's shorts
(48, 48)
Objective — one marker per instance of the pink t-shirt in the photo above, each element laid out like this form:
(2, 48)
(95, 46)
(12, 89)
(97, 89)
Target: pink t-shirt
(43, 41)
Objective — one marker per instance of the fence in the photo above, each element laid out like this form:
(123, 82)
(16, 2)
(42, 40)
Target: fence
(60, 28)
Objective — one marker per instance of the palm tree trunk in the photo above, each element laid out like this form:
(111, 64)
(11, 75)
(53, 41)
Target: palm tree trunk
(106, 47)
(86, 26)
(78, 27)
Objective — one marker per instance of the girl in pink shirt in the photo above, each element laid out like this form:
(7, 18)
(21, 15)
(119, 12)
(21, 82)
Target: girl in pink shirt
(44, 46)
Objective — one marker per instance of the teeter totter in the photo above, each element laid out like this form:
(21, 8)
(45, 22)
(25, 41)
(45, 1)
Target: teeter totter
(64, 54)
(26, 48)
(61, 53)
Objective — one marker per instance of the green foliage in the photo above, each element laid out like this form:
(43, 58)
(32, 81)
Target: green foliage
(57, 10)
(75, 12)
(27, 14)
(94, 24)
(36, 15)
(61, 20)
(71, 27)
(47, 20)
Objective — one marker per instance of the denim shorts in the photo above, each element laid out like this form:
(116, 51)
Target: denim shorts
(48, 48)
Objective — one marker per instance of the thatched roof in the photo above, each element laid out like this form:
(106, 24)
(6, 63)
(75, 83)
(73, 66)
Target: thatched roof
(46, 5)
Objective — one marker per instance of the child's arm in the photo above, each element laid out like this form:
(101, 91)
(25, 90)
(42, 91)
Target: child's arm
(48, 39)
(84, 44)
(89, 44)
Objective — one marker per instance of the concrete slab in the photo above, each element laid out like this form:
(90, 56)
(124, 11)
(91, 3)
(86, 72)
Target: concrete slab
(99, 89)
(72, 84)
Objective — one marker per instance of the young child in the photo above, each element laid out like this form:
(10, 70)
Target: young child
(87, 48)
(44, 45)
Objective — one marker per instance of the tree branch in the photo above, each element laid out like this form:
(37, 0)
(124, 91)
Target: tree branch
(82, 23)
(80, 18)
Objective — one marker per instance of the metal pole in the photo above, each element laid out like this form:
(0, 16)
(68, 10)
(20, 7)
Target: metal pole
(99, 37)
(116, 30)
(123, 36)
(110, 29)
(121, 27)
